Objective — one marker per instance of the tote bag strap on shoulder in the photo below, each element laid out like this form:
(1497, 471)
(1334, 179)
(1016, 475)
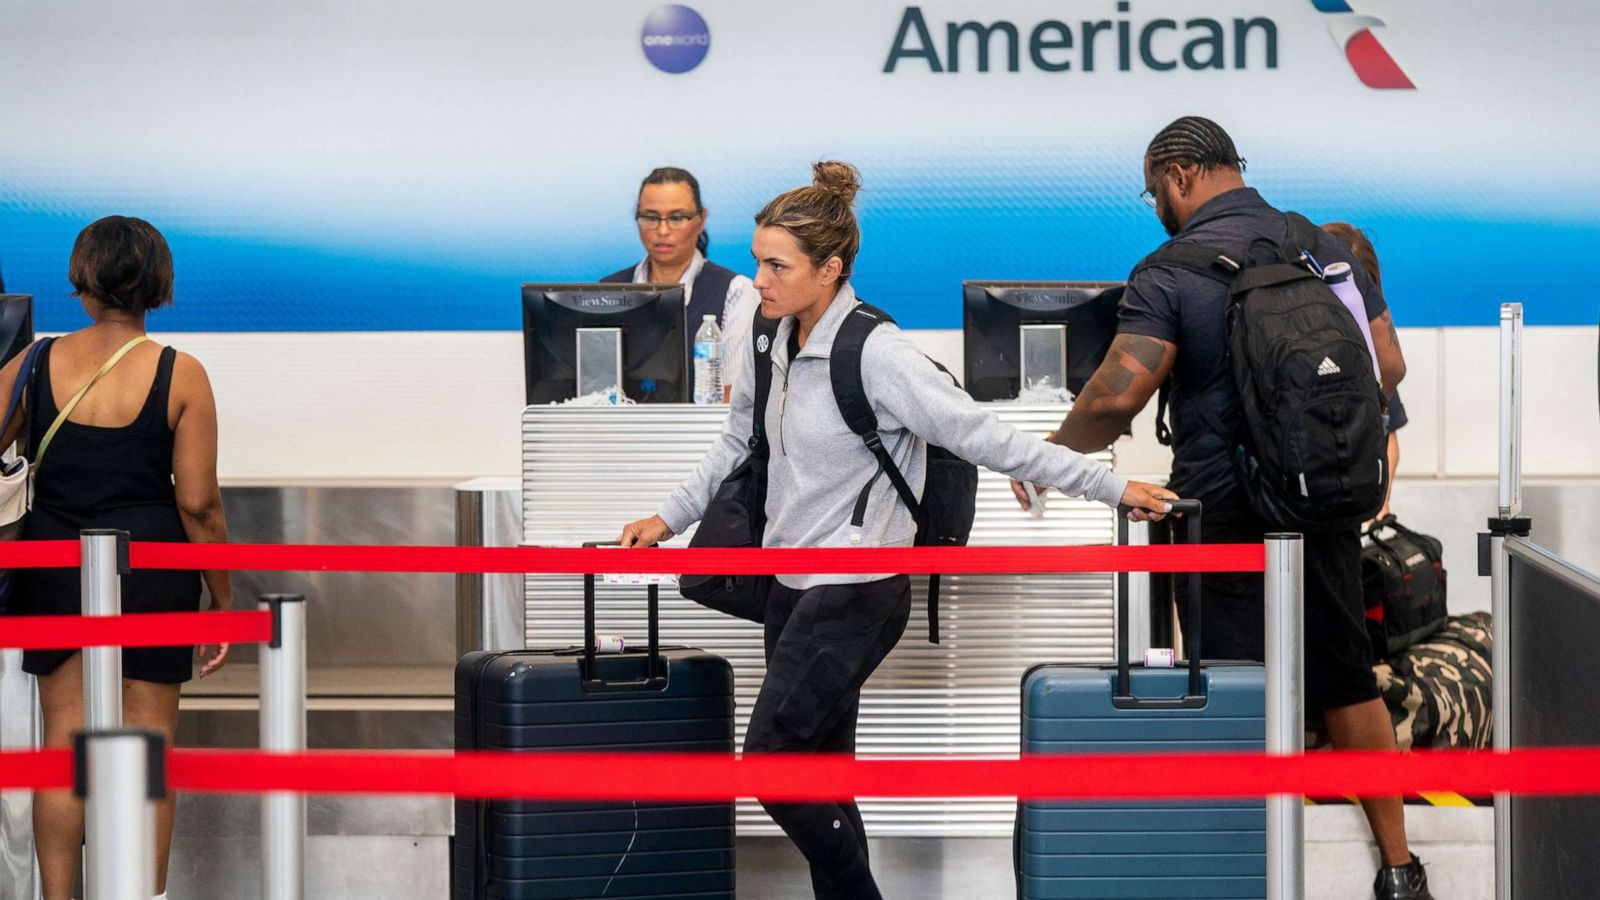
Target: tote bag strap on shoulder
(78, 397)
(24, 374)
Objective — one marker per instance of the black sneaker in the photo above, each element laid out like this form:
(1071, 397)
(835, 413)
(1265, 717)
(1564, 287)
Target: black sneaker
(1407, 882)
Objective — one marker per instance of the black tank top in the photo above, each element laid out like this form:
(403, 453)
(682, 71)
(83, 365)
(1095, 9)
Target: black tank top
(88, 468)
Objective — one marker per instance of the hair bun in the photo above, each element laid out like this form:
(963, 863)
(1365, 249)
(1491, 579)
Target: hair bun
(837, 178)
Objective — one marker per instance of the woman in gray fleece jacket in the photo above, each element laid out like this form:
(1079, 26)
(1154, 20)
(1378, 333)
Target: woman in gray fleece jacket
(825, 634)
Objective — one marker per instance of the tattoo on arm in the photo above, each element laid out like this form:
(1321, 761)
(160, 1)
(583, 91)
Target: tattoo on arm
(1096, 415)
(1130, 356)
(1146, 351)
(1118, 381)
(1389, 330)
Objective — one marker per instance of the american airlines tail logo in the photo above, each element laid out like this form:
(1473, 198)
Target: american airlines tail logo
(1355, 37)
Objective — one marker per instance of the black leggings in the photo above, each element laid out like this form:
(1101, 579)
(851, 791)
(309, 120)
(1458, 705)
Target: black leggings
(822, 644)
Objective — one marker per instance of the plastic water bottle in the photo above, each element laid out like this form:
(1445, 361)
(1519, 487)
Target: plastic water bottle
(708, 362)
(1344, 287)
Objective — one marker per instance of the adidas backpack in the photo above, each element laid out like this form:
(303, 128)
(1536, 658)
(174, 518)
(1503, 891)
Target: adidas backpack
(1311, 453)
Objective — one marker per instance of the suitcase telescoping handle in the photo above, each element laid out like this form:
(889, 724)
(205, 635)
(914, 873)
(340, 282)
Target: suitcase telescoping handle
(655, 677)
(1123, 697)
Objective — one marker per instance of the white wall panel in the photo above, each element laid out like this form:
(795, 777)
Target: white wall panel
(350, 408)
(1419, 440)
(1561, 432)
(444, 406)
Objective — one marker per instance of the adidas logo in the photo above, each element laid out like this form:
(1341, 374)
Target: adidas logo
(1328, 367)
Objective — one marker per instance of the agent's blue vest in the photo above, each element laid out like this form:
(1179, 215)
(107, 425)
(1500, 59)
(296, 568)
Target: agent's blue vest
(709, 296)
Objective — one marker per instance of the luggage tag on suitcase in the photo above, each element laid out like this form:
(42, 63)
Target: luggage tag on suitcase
(1158, 658)
(655, 677)
(614, 578)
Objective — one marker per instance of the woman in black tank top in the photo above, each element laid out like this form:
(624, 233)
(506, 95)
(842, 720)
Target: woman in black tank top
(138, 453)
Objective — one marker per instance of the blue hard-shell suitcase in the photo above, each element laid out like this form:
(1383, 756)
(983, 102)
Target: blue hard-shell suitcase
(1161, 850)
(668, 699)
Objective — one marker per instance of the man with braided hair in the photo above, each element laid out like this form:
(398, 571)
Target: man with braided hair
(1173, 324)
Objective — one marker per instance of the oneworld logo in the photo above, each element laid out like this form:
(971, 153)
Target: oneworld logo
(675, 39)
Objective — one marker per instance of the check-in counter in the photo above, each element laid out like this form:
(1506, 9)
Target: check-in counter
(589, 470)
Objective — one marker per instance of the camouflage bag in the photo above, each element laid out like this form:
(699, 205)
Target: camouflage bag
(1439, 690)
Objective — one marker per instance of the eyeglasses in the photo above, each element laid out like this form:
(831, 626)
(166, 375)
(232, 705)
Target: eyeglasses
(675, 221)
(1149, 198)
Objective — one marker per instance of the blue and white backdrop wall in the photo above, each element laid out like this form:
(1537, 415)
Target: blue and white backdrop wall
(354, 191)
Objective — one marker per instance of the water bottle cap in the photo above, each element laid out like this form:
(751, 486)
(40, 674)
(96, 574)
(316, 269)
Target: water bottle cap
(708, 317)
(1336, 272)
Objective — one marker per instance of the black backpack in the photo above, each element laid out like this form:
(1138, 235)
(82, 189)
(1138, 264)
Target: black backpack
(950, 490)
(1312, 450)
(736, 516)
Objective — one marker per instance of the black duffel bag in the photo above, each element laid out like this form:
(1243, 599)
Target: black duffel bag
(1403, 580)
(736, 517)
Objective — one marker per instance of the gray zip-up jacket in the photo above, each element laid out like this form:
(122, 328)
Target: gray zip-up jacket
(818, 466)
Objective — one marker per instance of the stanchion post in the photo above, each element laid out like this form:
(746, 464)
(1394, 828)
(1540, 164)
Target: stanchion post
(121, 773)
(1510, 509)
(104, 561)
(283, 730)
(1285, 590)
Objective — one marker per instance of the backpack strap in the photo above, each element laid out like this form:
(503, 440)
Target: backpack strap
(1300, 238)
(844, 371)
(1206, 262)
(763, 334)
(1257, 277)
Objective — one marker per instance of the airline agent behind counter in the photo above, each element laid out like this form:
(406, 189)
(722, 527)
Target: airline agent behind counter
(672, 228)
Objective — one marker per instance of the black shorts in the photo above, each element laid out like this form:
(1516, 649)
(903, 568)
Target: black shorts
(1338, 653)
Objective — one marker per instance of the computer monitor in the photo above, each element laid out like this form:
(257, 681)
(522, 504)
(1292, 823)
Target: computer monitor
(1076, 319)
(646, 320)
(16, 325)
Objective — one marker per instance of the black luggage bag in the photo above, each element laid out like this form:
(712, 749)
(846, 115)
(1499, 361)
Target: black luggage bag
(1403, 580)
(667, 699)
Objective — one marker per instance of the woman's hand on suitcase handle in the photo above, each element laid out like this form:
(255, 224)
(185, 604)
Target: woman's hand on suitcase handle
(645, 533)
(1149, 501)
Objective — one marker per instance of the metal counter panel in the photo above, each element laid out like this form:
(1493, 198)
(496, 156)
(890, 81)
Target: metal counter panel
(587, 471)
(355, 618)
